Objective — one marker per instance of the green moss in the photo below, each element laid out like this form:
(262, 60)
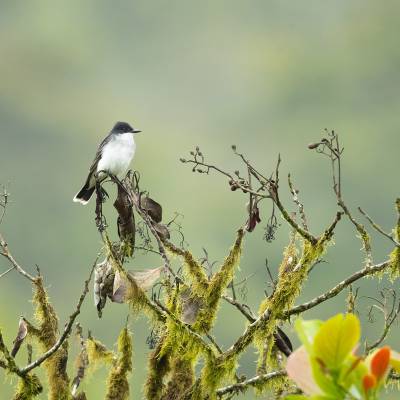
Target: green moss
(47, 335)
(214, 373)
(180, 341)
(181, 379)
(194, 271)
(217, 285)
(289, 261)
(117, 382)
(395, 254)
(28, 388)
(395, 264)
(80, 396)
(277, 384)
(158, 368)
(98, 354)
(366, 240)
(289, 285)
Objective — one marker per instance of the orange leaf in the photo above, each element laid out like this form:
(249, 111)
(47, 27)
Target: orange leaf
(369, 381)
(380, 362)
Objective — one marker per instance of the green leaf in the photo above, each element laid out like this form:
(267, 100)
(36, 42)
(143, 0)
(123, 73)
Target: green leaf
(326, 381)
(335, 340)
(307, 331)
(351, 376)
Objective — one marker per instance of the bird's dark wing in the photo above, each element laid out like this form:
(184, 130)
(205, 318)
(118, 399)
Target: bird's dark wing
(97, 157)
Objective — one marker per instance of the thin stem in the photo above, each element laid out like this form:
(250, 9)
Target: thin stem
(6, 253)
(378, 228)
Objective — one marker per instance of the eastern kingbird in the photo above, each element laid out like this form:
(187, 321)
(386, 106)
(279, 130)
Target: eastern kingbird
(113, 156)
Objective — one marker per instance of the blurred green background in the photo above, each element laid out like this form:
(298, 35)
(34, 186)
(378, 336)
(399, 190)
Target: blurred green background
(268, 76)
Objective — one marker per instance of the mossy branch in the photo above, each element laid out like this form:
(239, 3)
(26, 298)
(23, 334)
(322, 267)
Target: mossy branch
(117, 381)
(67, 329)
(366, 271)
(256, 381)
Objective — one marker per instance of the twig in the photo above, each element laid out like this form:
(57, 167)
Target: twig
(232, 179)
(6, 272)
(297, 201)
(82, 363)
(389, 320)
(6, 253)
(282, 342)
(243, 308)
(378, 228)
(360, 229)
(302, 232)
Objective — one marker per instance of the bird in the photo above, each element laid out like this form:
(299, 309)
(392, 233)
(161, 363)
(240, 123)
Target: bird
(113, 156)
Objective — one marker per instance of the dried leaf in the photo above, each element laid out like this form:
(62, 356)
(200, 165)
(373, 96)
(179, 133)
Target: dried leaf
(125, 221)
(21, 335)
(163, 231)
(145, 279)
(119, 288)
(103, 284)
(254, 218)
(190, 307)
(152, 208)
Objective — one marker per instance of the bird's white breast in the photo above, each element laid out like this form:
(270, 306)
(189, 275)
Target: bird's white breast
(117, 154)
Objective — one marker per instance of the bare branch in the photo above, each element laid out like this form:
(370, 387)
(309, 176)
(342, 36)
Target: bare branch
(390, 316)
(378, 228)
(302, 232)
(7, 254)
(6, 272)
(243, 308)
(300, 205)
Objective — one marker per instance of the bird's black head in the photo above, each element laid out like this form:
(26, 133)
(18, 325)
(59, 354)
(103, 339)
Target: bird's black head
(123, 127)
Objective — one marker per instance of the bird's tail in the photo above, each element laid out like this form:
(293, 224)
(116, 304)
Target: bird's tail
(84, 195)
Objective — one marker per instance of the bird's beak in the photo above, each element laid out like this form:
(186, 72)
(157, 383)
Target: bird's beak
(136, 131)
